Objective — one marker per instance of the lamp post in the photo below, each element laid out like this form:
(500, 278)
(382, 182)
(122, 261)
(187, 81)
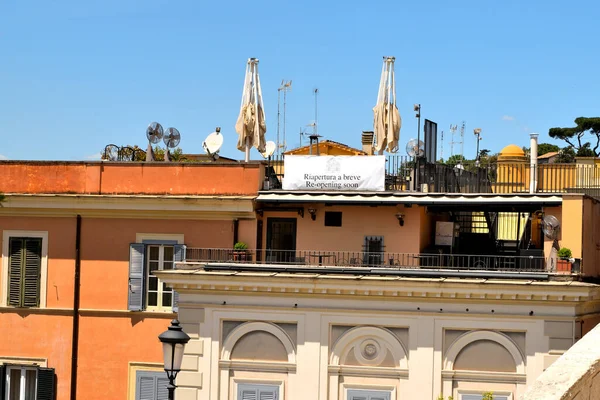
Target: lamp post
(417, 108)
(173, 341)
(477, 132)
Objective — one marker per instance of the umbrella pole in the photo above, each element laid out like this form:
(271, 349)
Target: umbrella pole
(247, 149)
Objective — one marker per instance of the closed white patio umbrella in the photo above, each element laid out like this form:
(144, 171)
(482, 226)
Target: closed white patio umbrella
(251, 126)
(387, 121)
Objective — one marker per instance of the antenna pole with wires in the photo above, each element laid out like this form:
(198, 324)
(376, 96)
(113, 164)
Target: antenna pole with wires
(315, 132)
(285, 87)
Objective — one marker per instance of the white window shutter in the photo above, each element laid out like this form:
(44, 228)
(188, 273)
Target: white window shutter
(178, 256)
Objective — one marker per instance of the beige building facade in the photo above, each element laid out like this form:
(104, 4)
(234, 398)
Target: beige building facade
(342, 336)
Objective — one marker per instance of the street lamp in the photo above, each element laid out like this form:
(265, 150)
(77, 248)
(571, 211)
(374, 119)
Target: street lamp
(417, 109)
(477, 132)
(173, 340)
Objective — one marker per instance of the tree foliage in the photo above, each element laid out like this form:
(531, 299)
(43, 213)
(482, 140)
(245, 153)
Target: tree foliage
(544, 148)
(575, 136)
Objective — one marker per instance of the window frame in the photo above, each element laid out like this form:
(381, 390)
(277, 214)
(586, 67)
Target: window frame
(240, 383)
(6, 235)
(462, 392)
(331, 216)
(161, 261)
(160, 239)
(367, 392)
(22, 380)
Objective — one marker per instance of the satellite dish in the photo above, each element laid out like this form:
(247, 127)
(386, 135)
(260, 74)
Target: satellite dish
(154, 132)
(550, 226)
(171, 138)
(415, 148)
(213, 142)
(270, 147)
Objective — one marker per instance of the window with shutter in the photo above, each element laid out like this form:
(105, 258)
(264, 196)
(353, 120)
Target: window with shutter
(24, 271)
(151, 385)
(249, 391)
(28, 383)
(369, 395)
(146, 291)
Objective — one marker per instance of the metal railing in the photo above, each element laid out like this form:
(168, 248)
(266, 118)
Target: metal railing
(472, 177)
(369, 259)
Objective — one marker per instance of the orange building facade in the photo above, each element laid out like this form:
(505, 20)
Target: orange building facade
(64, 222)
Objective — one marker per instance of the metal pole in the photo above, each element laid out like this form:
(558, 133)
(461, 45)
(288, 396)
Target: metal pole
(171, 388)
(416, 169)
(278, 101)
(477, 156)
(284, 107)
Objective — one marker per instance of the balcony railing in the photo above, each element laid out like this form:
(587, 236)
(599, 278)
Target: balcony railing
(319, 258)
(470, 177)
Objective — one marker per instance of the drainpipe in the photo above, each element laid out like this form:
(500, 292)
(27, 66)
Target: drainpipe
(533, 157)
(77, 283)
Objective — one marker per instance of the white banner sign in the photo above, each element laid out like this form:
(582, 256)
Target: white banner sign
(334, 173)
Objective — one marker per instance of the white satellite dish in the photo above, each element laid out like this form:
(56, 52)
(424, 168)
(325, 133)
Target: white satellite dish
(270, 147)
(213, 143)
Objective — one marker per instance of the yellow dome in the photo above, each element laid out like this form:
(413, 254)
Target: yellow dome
(512, 150)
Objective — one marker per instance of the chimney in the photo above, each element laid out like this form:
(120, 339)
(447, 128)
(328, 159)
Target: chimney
(367, 142)
(533, 157)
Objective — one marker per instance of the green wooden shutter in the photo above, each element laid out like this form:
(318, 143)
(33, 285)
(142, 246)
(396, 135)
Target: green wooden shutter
(178, 256)
(46, 384)
(32, 272)
(137, 271)
(24, 271)
(15, 262)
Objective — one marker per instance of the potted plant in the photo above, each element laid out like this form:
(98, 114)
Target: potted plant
(563, 263)
(240, 251)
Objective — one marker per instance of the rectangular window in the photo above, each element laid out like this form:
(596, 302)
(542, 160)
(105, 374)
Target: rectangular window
(24, 271)
(333, 218)
(357, 394)
(28, 382)
(479, 396)
(160, 258)
(146, 291)
(373, 250)
(151, 385)
(257, 392)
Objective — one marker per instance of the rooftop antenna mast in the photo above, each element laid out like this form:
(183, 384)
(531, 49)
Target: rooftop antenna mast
(462, 138)
(442, 147)
(285, 87)
(453, 129)
(316, 91)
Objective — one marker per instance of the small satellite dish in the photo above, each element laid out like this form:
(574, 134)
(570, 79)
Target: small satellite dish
(213, 142)
(154, 132)
(171, 138)
(550, 226)
(270, 147)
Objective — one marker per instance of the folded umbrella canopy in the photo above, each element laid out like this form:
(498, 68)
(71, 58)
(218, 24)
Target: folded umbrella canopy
(387, 121)
(251, 126)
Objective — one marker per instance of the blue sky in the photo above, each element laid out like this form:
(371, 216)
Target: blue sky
(77, 75)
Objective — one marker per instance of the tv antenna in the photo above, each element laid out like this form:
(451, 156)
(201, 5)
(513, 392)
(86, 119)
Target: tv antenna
(462, 138)
(213, 143)
(154, 133)
(442, 147)
(171, 139)
(285, 87)
(453, 129)
(316, 123)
